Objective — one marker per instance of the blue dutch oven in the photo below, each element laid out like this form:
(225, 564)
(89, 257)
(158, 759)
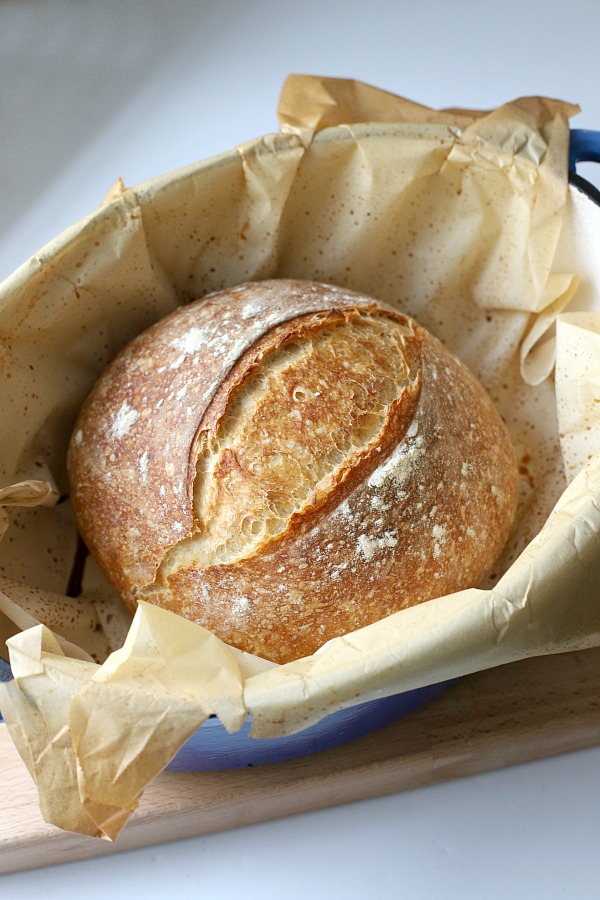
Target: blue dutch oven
(5, 673)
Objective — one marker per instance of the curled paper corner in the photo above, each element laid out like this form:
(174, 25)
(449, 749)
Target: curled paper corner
(27, 493)
(29, 648)
(35, 707)
(538, 348)
(109, 729)
(116, 190)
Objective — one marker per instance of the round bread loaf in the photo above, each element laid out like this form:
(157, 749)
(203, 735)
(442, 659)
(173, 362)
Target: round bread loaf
(285, 462)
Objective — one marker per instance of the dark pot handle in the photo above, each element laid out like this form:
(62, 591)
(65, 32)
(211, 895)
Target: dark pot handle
(584, 147)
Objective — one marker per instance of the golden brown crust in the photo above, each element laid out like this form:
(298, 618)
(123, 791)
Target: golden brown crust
(405, 483)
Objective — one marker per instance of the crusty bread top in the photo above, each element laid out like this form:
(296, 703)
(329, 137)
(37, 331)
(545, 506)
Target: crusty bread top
(287, 461)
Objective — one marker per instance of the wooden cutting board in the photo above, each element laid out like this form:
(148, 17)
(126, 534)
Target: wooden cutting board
(517, 713)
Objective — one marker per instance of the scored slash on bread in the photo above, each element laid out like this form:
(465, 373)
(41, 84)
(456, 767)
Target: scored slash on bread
(285, 462)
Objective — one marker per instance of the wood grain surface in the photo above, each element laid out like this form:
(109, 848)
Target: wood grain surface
(517, 713)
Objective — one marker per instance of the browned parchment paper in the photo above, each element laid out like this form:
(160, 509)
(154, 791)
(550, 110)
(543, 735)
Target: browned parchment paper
(455, 217)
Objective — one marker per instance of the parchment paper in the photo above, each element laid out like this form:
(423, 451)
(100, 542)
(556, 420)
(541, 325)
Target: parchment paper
(454, 217)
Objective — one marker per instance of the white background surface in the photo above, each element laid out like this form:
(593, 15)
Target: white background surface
(92, 91)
